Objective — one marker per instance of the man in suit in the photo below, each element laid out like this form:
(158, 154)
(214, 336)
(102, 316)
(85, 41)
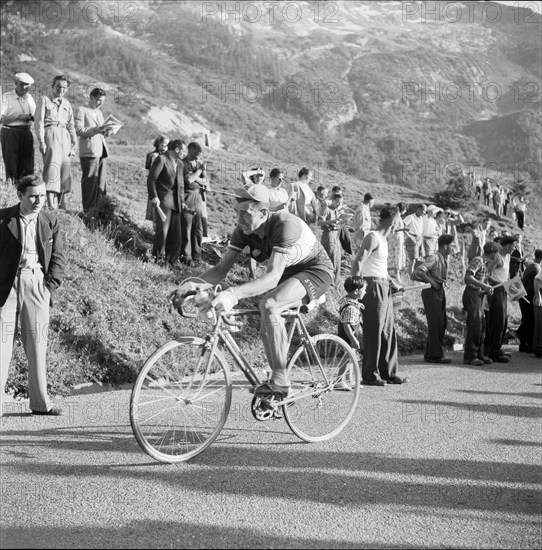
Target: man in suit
(165, 186)
(93, 152)
(194, 181)
(32, 263)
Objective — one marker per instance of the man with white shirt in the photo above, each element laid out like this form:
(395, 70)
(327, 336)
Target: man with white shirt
(17, 114)
(279, 195)
(380, 355)
(413, 237)
(304, 203)
(430, 230)
(32, 263)
(93, 152)
(362, 219)
(497, 315)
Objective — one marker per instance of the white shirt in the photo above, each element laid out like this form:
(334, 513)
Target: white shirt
(29, 253)
(376, 265)
(12, 104)
(430, 227)
(414, 224)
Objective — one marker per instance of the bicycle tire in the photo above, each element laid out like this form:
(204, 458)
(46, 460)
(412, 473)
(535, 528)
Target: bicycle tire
(324, 411)
(175, 412)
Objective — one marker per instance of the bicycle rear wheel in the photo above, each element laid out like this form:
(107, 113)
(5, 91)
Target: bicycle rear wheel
(179, 401)
(323, 408)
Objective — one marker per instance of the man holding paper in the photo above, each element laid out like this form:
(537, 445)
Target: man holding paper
(93, 152)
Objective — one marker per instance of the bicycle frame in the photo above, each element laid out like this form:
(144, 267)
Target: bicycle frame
(221, 335)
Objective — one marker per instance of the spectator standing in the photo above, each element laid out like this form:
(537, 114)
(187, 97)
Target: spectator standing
(32, 262)
(160, 147)
(487, 190)
(520, 208)
(350, 324)
(525, 331)
(379, 337)
(194, 181)
(55, 131)
(478, 190)
(165, 186)
(430, 230)
(279, 194)
(396, 244)
(517, 258)
(435, 272)
(93, 151)
(479, 238)
(329, 221)
(16, 115)
(497, 200)
(304, 205)
(362, 219)
(537, 306)
(476, 287)
(413, 236)
(497, 314)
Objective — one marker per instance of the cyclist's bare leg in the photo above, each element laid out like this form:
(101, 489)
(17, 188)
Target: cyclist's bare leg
(290, 293)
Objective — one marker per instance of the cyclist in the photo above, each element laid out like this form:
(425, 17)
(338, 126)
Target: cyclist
(299, 271)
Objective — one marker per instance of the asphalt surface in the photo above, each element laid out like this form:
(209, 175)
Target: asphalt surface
(450, 460)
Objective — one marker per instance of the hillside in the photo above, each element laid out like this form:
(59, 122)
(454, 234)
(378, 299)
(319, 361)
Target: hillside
(364, 88)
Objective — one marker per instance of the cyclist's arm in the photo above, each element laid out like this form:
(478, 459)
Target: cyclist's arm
(218, 273)
(265, 283)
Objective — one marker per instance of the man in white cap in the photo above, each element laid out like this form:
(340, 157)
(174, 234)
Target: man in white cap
(299, 271)
(17, 114)
(430, 230)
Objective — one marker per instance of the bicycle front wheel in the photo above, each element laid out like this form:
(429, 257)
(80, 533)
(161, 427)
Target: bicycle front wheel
(180, 400)
(325, 385)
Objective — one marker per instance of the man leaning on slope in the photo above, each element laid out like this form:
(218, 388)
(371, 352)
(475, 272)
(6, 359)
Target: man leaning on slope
(299, 271)
(379, 337)
(32, 268)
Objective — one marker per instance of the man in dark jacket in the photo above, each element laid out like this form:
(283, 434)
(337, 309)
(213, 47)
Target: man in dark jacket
(32, 263)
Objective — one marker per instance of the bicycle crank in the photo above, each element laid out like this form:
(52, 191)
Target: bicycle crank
(264, 408)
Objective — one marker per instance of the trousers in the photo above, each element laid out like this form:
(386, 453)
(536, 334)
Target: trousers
(27, 305)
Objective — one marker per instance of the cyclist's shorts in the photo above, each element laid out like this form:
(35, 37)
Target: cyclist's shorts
(315, 280)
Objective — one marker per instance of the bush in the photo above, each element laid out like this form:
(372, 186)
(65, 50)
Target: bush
(459, 195)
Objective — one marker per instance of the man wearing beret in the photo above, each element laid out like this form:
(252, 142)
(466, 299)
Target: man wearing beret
(32, 268)
(17, 114)
(299, 271)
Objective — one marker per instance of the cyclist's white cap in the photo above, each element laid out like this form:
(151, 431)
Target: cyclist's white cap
(252, 193)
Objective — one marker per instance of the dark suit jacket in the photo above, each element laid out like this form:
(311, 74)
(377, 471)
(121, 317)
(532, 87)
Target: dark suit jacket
(50, 250)
(163, 182)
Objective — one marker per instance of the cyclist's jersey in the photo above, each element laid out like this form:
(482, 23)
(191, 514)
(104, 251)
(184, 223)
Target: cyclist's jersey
(289, 235)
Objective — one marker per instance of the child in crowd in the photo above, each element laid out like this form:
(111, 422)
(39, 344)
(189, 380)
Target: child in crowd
(350, 323)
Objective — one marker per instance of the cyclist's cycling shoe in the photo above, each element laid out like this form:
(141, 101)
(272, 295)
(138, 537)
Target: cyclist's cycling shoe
(270, 389)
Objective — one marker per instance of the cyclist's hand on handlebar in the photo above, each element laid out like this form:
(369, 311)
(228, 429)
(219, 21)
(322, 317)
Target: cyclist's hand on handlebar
(224, 301)
(178, 296)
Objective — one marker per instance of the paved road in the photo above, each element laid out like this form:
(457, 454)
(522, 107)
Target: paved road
(450, 460)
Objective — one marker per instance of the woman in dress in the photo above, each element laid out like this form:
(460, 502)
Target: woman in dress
(396, 244)
(57, 141)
